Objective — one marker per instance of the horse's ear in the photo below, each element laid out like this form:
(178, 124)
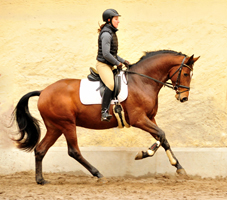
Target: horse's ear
(195, 59)
(191, 60)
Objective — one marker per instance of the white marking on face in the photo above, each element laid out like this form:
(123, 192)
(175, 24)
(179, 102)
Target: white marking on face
(191, 73)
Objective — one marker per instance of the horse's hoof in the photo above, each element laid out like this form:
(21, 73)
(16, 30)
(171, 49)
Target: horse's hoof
(102, 180)
(42, 182)
(139, 156)
(181, 172)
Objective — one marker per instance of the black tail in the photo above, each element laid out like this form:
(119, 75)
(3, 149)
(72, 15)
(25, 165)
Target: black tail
(28, 126)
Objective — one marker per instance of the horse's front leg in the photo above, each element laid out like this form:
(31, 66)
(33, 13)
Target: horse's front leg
(151, 127)
(173, 160)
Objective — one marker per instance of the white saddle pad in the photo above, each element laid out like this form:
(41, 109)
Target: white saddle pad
(89, 95)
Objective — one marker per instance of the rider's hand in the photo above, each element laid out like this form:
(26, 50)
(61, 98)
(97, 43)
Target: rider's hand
(120, 66)
(126, 63)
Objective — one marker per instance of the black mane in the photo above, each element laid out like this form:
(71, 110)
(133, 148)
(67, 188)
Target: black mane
(149, 54)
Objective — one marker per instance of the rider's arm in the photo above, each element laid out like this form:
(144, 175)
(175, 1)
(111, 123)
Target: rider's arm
(120, 59)
(106, 40)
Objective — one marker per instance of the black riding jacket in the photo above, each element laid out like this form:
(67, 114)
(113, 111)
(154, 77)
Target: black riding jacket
(108, 46)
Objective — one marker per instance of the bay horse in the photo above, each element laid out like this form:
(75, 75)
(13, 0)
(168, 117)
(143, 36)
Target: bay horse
(62, 111)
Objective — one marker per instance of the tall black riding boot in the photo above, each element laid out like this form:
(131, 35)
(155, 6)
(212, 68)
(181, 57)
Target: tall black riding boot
(106, 99)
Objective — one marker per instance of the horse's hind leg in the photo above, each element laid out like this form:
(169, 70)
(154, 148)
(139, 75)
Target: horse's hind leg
(41, 149)
(74, 152)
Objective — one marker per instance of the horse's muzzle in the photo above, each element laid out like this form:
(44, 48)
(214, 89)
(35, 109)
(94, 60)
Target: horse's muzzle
(181, 98)
(184, 99)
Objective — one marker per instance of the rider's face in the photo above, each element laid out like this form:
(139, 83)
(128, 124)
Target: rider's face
(115, 21)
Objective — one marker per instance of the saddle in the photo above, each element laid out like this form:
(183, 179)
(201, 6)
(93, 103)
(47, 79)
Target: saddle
(94, 76)
(117, 108)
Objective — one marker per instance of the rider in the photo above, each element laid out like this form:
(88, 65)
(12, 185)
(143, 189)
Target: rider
(107, 57)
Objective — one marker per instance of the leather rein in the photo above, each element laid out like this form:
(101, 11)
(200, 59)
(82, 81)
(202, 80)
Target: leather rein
(170, 85)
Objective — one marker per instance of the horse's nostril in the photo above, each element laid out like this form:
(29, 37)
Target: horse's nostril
(184, 99)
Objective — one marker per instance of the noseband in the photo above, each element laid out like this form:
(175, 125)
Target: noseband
(170, 85)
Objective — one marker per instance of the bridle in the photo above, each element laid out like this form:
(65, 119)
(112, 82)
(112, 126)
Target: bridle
(177, 85)
(170, 85)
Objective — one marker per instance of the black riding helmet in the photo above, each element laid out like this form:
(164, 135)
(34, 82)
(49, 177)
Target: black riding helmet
(109, 14)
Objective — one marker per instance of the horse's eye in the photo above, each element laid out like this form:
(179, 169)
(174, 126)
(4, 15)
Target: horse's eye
(186, 74)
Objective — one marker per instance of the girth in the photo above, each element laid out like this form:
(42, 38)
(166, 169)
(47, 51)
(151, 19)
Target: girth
(94, 76)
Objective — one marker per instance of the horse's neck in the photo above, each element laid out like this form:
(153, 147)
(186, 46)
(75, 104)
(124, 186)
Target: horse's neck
(157, 68)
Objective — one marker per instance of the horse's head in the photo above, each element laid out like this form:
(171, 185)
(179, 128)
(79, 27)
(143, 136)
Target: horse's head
(181, 76)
